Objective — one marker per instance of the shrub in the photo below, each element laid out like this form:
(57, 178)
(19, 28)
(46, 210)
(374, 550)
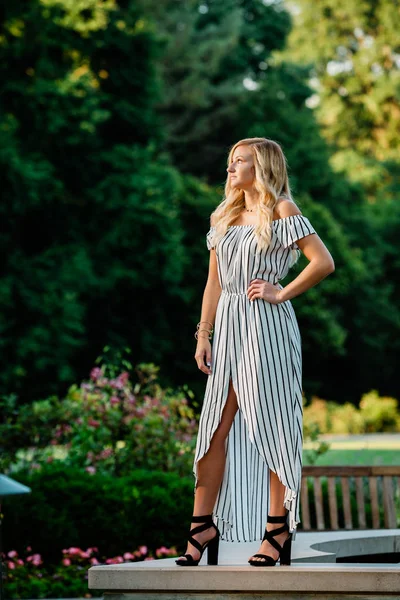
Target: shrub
(107, 424)
(379, 413)
(70, 507)
(28, 576)
(346, 418)
(375, 414)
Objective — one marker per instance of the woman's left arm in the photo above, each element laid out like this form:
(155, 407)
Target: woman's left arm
(320, 266)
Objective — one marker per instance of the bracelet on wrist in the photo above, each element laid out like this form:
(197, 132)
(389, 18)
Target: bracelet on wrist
(196, 335)
(198, 324)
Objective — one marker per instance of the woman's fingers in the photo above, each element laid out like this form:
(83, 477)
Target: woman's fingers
(203, 359)
(259, 288)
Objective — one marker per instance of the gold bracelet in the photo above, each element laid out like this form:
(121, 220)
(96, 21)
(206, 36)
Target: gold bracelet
(198, 324)
(196, 335)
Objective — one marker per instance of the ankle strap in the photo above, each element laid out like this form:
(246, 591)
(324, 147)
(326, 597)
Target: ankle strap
(271, 519)
(203, 519)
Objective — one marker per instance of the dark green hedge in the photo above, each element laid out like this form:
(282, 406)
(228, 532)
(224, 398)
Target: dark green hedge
(68, 507)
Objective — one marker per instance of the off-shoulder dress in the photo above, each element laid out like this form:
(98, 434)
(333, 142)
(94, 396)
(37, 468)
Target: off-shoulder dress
(257, 345)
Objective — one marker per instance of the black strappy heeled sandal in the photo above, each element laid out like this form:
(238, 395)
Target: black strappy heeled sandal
(284, 551)
(212, 545)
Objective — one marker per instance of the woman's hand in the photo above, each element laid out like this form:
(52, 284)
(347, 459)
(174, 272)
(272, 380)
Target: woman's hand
(259, 288)
(203, 355)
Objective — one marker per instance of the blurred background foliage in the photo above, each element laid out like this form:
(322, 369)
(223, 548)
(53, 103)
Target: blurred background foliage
(115, 123)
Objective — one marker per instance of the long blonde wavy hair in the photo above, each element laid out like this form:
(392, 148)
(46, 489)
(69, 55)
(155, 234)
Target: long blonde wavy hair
(270, 181)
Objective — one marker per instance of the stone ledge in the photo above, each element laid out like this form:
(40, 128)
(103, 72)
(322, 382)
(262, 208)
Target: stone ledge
(313, 570)
(245, 596)
(354, 578)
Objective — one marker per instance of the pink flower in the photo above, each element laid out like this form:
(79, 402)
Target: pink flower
(123, 377)
(128, 556)
(12, 554)
(106, 453)
(116, 384)
(73, 551)
(66, 562)
(143, 549)
(149, 558)
(116, 559)
(94, 561)
(114, 400)
(93, 423)
(35, 559)
(28, 549)
(91, 470)
(95, 373)
(11, 565)
(20, 562)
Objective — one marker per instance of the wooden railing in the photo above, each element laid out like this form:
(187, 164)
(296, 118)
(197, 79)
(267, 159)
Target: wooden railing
(378, 488)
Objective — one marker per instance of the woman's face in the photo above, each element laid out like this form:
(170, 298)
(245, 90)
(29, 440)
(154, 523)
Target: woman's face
(241, 170)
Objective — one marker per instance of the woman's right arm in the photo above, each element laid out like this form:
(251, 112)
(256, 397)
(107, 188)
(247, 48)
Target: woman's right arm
(211, 296)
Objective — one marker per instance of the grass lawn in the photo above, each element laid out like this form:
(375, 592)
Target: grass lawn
(357, 456)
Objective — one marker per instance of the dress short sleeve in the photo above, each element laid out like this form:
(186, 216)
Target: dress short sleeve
(293, 228)
(209, 238)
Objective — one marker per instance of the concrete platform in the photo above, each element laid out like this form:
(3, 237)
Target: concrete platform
(314, 573)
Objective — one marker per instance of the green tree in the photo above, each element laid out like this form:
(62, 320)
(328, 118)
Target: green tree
(352, 51)
(84, 191)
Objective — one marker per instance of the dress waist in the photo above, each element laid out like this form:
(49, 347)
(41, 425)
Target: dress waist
(225, 291)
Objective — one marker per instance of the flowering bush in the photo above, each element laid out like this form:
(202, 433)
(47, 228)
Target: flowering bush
(107, 423)
(29, 577)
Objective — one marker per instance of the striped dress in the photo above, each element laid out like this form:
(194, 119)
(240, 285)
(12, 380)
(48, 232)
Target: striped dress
(257, 345)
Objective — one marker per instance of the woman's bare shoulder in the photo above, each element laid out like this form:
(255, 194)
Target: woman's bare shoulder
(286, 208)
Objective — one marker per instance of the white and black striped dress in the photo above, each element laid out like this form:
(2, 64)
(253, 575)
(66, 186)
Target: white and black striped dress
(258, 345)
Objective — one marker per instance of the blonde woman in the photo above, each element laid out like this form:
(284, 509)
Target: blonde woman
(248, 458)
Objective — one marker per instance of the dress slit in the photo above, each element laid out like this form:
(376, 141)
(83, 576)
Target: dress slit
(256, 345)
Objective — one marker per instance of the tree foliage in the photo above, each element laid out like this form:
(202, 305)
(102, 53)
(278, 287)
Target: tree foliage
(115, 122)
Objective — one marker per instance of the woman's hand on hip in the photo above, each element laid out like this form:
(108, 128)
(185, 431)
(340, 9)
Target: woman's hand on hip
(259, 288)
(203, 355)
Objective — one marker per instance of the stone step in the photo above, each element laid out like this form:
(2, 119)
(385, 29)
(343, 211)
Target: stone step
(313, 571)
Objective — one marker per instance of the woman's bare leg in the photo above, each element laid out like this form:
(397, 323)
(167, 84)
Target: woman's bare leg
(210, 470)
(276, 509)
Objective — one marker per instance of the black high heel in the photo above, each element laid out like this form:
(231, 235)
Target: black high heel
(212, 545)
(284, 551)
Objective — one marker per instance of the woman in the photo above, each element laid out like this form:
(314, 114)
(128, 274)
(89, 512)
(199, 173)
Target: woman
(248, 455)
